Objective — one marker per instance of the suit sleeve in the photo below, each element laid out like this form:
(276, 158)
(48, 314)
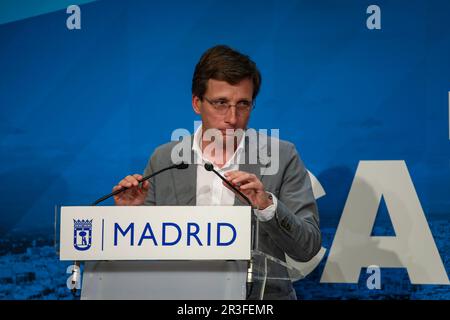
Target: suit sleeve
(150, 200)
(295, 225)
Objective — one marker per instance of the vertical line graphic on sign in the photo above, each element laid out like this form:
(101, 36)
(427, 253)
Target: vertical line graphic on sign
(103, 231)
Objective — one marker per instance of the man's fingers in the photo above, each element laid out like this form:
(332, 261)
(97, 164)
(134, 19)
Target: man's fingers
(146, 185)
(243, 177)
(125, 183)
(239, 176)
(251, 185)
(131, 181)
(135, 190)
(247, 186)
(231, 174)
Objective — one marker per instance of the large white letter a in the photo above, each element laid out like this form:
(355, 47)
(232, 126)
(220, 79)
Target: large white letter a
(413, 246)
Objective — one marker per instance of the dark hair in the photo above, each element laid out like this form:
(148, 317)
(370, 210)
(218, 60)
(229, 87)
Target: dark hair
(225, 64)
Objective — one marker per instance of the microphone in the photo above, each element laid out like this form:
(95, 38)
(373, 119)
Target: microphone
(76, 271)
(210, 167)
(249, 284)
(180, 166)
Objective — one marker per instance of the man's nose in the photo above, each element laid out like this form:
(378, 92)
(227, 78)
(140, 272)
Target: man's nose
(231, 116)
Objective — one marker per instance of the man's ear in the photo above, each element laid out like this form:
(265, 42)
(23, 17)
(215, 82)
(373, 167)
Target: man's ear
(197, 104)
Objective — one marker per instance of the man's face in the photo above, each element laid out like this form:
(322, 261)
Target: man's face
(223, 91)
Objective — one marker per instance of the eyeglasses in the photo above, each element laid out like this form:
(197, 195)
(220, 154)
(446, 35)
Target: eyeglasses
(221, 105)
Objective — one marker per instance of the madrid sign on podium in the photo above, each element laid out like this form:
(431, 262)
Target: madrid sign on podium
(155, 251)
(155, 233)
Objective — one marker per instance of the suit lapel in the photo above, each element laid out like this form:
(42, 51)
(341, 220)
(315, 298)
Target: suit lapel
(185, 185)
(185, 182)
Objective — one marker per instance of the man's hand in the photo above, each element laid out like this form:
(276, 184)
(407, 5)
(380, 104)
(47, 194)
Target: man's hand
(136, 193)
(250, 186)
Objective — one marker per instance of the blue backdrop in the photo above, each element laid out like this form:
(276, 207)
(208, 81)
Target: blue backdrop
(82, 108)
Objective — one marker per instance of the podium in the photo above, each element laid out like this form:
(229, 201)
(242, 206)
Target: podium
(167, 252)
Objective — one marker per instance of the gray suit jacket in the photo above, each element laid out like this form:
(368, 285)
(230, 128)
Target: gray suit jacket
(294, 230)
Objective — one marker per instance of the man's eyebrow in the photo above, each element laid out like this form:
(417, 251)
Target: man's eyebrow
(220, 98)
(225, 98)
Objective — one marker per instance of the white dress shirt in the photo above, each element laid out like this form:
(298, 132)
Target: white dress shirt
(210, 190)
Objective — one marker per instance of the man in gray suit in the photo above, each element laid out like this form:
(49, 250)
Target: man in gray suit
(224, 87)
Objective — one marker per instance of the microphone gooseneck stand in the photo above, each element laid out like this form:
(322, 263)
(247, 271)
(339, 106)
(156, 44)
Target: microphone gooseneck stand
(76, 274)
(249, 284)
